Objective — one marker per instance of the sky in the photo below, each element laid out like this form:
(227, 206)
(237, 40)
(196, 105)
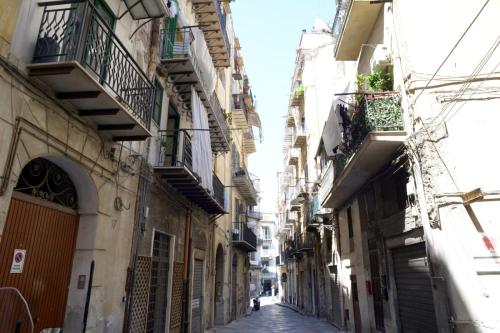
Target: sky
(269, 33)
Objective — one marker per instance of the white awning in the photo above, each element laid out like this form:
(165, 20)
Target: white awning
(143, 9)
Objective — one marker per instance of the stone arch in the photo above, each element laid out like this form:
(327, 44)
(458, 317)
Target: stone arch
(83, 256)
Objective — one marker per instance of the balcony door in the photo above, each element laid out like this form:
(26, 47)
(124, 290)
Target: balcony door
(171, 140)
(98, 51)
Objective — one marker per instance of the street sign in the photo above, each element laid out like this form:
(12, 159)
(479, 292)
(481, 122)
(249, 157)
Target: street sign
(18, 261)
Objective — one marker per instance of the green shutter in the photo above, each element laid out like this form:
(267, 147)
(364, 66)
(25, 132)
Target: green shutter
(169, 36)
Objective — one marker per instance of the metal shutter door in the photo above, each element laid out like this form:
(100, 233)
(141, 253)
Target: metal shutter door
(336, 305)
(414, 290)
(196, 303)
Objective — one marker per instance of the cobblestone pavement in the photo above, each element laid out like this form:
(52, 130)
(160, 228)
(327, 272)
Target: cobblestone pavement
(275, 318)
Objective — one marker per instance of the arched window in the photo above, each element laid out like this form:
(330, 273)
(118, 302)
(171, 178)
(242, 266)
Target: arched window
(43, 179)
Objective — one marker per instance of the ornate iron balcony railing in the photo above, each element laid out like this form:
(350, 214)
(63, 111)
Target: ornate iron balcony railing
(340, 20)
(242, 233)
(74, 31)
(218, 190)
(176, 149)
(374, 112)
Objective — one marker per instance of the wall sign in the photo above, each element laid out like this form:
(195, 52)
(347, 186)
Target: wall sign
(18, 261)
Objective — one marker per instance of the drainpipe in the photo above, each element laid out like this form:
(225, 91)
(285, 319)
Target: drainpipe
(187, 261)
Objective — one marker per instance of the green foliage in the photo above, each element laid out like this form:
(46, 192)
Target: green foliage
(299, 90)
(378, 80)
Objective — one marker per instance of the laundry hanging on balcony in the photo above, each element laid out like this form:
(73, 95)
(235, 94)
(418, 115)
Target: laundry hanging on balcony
(202, 151)
(332, 131)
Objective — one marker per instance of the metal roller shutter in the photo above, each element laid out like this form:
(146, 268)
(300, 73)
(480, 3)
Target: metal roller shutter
(414, 290)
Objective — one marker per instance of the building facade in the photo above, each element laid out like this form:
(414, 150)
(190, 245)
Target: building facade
(408, 237)
(120, 195)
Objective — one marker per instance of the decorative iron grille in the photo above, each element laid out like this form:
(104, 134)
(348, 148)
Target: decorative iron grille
(43, 179)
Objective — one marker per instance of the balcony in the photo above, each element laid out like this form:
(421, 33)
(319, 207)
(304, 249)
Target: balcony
(293, 156)
(238, 65)
(371, 138)
(212, 21)
(297, 96)
(182, 69)
(299, 138)
(243, 237)
(175, 165)
(249, 141)
(326, 183)
(81, 59)
(239, 112)
(304, 242)
(254, 215)
(352, 26)
(244, 184)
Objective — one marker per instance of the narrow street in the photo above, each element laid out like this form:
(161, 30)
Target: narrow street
(275, 318)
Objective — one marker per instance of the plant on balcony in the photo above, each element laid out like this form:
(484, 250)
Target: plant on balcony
(299, 91)
(372, 114)
(378, 80)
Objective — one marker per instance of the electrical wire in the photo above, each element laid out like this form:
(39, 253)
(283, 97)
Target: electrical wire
(472, 77)
(451, 52)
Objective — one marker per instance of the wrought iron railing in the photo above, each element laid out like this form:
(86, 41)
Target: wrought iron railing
(239, 103)
(219, 117)
(374, 112)
(175, 149)
(176, 43)
(74, 31)
(218, 190)
(243, 233)
(241, 171)
(254, 215)
(304, 241)
(340, 20)
(222, 19)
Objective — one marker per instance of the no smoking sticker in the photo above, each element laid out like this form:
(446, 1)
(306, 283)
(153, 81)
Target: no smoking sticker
(18, 261)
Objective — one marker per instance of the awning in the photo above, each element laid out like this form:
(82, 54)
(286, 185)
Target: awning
(144, 9)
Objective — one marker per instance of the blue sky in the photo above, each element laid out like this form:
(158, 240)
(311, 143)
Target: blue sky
(269, 33)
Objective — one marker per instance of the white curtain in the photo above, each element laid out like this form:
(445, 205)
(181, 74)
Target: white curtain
(202, 150)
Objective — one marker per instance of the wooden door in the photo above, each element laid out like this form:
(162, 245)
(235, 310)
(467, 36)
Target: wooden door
(47, 232)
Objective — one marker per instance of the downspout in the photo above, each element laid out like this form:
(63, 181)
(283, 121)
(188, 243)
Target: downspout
(187, 261)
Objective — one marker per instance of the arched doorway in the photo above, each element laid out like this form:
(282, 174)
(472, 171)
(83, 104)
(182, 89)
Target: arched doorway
(234, 287)
(219, 286)
(42, 227)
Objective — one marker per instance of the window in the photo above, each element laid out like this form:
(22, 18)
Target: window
(266, 232)
(265, 263)
(158, 102)
(265, 247)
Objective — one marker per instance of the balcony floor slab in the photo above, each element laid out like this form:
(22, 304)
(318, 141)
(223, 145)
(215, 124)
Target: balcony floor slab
(72, 83)
(373, 154)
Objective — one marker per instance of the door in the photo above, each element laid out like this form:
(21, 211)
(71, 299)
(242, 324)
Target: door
(158, 288)
(234, 287)
(197, 298)
(170, 141)
(378, 302)
(355, 304)
(414, 289)
(336, 306)
(47, 234)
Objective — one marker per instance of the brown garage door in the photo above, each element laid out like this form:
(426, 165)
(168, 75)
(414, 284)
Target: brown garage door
(47, 233)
